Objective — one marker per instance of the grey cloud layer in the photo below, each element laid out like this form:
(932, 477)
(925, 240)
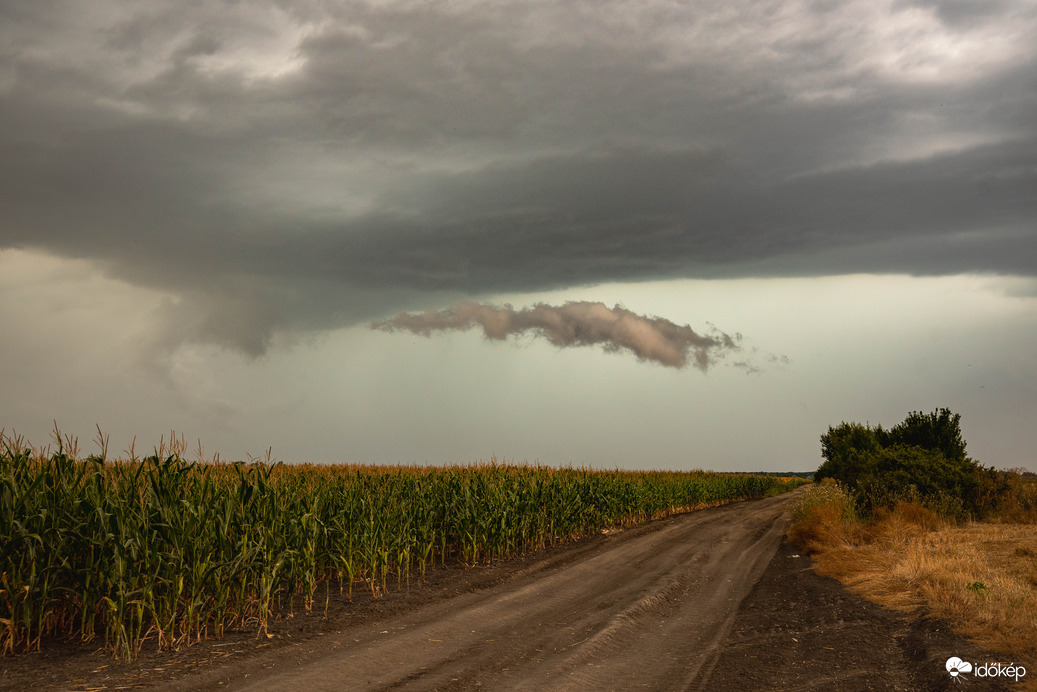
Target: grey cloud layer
(577, 323)
(289, 166)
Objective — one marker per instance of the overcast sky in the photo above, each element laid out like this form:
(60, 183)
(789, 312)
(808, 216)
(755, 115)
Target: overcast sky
(205, 206)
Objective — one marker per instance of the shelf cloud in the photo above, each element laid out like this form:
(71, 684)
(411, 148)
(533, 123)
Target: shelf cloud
(279, 169)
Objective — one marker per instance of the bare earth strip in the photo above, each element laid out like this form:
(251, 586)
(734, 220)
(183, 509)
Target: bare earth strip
(646, 610)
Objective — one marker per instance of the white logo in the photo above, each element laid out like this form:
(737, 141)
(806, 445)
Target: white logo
(955, 666)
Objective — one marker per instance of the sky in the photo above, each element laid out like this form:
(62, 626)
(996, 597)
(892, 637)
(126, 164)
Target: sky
(450, 231)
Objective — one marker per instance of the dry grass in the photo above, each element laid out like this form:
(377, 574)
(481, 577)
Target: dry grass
(980, 577)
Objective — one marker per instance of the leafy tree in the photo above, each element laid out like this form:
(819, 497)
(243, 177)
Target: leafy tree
(939, 431)
(848, 450)
(922, 457)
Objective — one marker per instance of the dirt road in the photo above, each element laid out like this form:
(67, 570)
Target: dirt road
(662, 606)
(646, 610)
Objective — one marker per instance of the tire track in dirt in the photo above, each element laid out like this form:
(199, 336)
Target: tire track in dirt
(643, 610)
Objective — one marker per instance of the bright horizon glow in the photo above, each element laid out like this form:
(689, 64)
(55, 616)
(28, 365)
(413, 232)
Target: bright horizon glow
(863, 347)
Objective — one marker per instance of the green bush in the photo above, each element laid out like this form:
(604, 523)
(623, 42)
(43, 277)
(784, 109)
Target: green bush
(922, 459)
(848, 451)
(939, 431)
(916, 474)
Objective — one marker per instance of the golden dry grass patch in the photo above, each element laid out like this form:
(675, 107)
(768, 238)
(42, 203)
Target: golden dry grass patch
(981, 577)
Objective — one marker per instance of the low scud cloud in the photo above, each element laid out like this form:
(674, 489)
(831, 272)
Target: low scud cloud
(578, 323)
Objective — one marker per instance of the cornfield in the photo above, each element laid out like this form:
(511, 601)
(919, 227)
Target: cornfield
(172, 551)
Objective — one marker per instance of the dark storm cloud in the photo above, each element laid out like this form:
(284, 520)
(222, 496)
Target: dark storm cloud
(962, 12)
(285, 167)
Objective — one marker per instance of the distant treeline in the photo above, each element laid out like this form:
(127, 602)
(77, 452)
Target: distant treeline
(785, 474)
